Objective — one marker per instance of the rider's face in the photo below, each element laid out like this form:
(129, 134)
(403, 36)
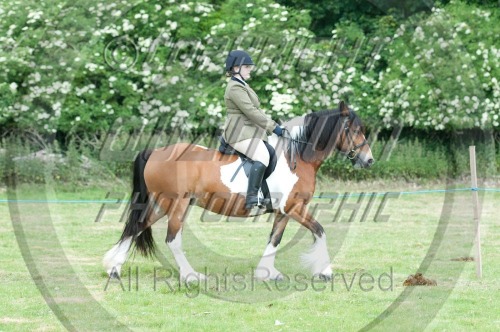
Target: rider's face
(245, 71)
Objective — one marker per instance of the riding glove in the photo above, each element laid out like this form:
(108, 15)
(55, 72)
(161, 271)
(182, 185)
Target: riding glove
(278, 131)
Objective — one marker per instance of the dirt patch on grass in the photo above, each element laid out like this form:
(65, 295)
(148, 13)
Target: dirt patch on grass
(463, 259)
(419, 280)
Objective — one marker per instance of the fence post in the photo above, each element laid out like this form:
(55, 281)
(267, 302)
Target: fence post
(475, 204)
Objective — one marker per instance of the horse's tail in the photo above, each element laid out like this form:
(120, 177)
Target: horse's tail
(139, 209)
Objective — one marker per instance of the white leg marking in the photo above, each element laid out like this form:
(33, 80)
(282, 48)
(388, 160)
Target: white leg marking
(187, 273)
(116, 256)
(266, 270)
(318, 259)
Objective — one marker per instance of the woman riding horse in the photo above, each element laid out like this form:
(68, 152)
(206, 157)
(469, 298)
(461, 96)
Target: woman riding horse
(246, 124)
(168, 180)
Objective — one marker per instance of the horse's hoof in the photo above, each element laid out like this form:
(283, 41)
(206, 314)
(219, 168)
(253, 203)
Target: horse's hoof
(193, 277)
(325, 277)
(266, 274)
(278, 277)
(202, 277)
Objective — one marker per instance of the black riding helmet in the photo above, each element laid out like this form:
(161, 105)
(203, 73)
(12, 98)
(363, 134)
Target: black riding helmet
(237, 58)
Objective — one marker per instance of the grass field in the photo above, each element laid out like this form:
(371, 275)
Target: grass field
(52, 278)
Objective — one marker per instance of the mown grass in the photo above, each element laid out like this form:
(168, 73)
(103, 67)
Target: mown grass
(67, 244)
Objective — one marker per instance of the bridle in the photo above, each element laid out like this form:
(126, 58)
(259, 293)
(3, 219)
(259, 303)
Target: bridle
(353, 154)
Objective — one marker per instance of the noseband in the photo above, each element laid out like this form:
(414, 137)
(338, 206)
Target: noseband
(353, 154)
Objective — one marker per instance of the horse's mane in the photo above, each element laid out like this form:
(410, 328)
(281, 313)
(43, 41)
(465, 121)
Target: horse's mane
(316, 138)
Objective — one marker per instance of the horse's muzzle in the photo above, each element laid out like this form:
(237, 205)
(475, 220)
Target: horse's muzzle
(359, 163)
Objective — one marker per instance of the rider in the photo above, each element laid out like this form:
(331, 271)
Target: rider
(247, 125)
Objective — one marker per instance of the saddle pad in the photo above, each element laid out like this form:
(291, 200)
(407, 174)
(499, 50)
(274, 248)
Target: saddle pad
(227, 149)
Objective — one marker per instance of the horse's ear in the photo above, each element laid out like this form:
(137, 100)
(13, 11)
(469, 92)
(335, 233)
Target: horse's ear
(344, 110)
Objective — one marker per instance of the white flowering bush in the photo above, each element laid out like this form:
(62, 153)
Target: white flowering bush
(77, 69)
(444, 71)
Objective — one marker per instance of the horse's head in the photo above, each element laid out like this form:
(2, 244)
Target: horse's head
(319, 134)
(352, 141)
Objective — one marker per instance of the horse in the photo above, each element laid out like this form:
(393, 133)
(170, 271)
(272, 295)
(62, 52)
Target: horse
(167, 181)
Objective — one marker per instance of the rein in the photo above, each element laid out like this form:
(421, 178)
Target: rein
(293, 160)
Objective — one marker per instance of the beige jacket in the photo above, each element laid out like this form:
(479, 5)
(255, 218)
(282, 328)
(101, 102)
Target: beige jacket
(244, 117)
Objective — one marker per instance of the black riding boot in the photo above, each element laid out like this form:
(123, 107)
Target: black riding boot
(254, 181)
